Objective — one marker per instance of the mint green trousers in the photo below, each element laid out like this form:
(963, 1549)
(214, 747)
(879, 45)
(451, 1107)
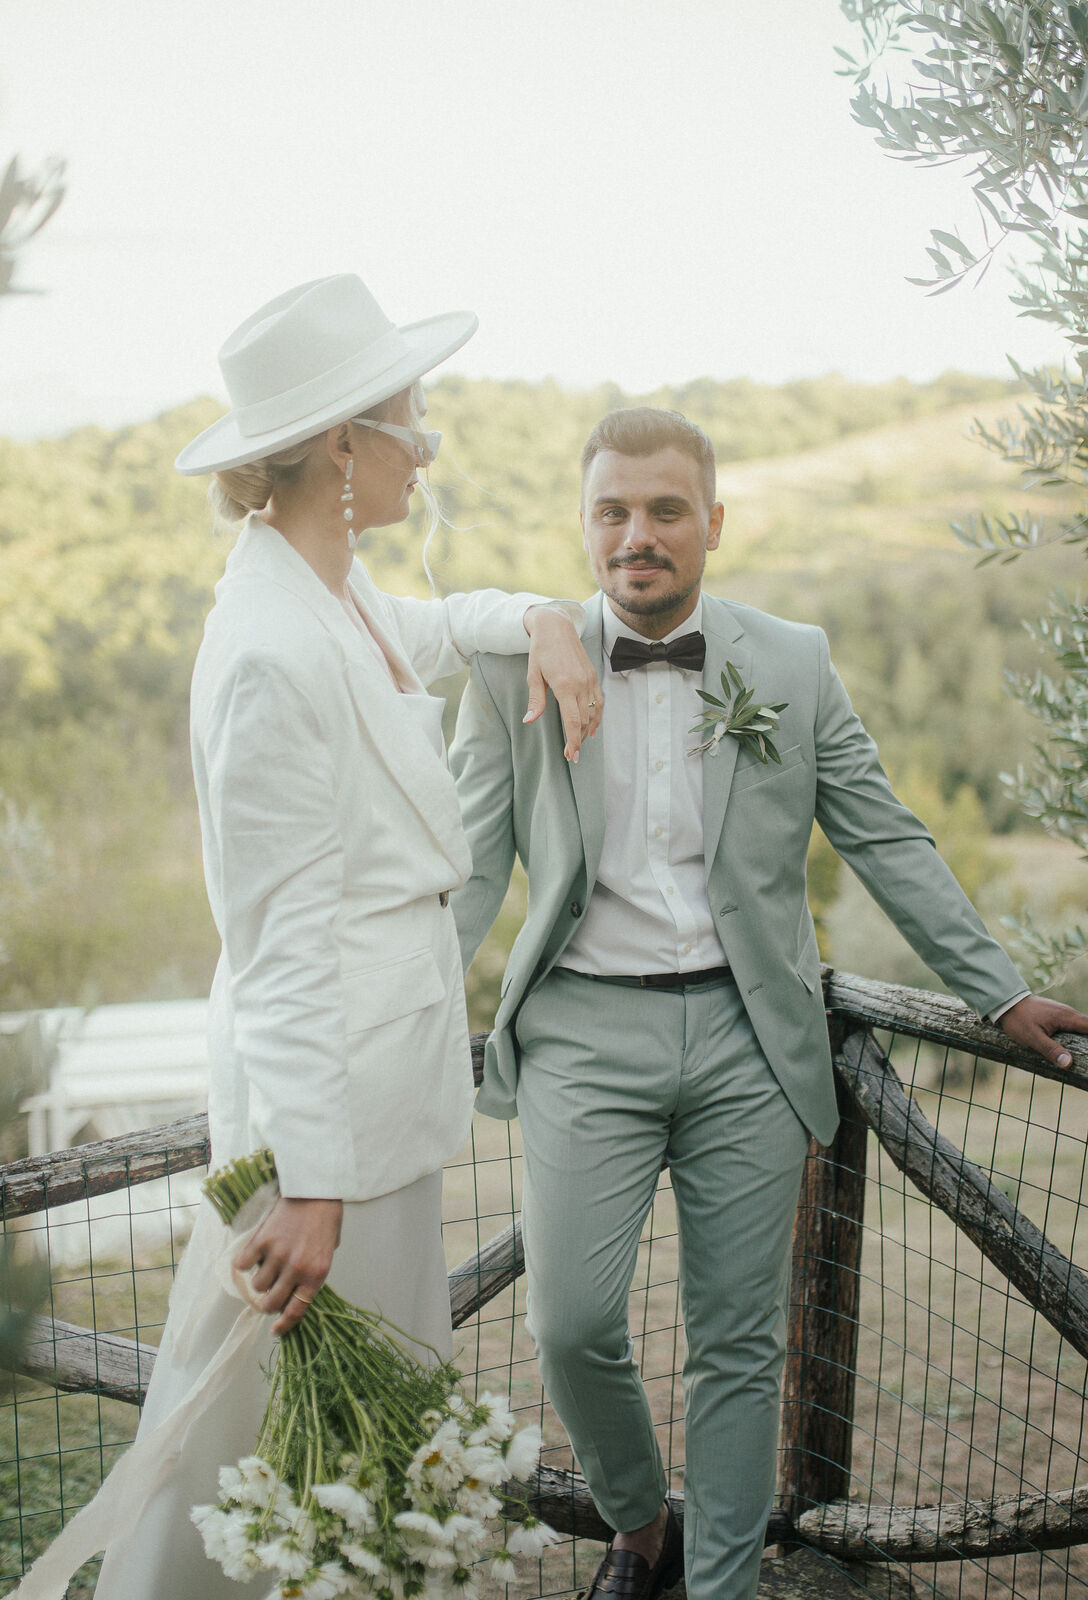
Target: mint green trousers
(613, 1079)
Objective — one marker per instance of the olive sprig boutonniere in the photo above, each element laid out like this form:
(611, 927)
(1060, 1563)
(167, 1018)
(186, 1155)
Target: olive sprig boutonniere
(739, 717)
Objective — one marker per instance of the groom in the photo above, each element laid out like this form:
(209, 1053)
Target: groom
(663, 997)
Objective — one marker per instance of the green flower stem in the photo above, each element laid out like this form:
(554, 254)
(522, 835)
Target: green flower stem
(343, 1382)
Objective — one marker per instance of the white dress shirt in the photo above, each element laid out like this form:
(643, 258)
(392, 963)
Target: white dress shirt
(648, 911)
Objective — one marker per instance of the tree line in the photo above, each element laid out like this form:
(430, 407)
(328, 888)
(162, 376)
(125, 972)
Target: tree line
(108, 561)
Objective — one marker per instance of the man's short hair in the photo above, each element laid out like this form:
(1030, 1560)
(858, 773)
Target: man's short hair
(643, 430)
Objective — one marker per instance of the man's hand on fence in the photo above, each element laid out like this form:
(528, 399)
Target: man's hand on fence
(1033, 1021)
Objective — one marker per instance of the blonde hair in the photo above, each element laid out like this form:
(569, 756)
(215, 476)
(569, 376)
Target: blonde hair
(237, 491)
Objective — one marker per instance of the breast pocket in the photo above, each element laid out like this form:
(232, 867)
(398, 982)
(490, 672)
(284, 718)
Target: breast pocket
(755, 772)
(374, 995)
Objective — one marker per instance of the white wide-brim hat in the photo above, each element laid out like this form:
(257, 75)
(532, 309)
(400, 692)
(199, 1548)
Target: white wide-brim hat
(309, 359)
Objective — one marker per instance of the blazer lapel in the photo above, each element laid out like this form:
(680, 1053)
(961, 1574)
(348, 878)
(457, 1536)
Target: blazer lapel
(587, 776)
(402, 746)
(724, 637)
(364, 592)
(409, 757)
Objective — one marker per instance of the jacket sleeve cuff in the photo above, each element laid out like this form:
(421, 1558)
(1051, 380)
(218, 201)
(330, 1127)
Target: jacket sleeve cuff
(570, 609)
(1006, 1005)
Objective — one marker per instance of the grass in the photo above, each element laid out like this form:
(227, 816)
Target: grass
(962, 1390)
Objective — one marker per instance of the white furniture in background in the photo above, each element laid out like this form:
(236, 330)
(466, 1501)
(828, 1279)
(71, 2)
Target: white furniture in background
(120, 1066)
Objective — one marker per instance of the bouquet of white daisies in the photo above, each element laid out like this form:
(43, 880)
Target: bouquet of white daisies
(371, 1476)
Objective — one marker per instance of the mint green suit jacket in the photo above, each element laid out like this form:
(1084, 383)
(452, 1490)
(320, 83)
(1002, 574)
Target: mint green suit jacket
(519, 796)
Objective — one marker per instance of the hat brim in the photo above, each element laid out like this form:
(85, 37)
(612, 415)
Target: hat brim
(224, 445)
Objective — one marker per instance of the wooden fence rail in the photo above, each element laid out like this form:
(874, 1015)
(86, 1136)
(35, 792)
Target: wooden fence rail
(818, 1398)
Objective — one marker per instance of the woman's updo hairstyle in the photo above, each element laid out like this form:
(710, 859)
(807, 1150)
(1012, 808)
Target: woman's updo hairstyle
(237, 491)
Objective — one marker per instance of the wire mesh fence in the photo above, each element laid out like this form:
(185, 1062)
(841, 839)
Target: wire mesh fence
(966, 1392)
(112, 1260)
(964, 1408)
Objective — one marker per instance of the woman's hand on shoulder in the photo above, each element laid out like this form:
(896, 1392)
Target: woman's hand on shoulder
(558, 662)
(291, 1253)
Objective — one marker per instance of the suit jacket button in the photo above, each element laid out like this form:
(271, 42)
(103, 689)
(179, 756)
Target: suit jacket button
(576, 908)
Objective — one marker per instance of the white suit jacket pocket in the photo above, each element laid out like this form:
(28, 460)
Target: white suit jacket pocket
(390, 990)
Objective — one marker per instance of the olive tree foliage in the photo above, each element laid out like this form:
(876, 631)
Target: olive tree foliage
(1002, 90)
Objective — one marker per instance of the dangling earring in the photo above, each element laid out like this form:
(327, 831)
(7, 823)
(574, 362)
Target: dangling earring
(346, 498)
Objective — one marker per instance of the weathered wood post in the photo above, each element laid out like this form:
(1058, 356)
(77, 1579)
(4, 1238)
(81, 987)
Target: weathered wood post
(822, 1339)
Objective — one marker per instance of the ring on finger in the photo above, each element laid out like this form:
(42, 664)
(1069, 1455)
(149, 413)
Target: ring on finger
(592, 704)
(302, 1297)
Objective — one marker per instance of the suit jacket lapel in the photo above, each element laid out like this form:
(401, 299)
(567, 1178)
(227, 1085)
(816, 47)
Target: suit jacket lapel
(587, 777)
(401, 744)
(409, 757)
(724, 637)
(366, 596)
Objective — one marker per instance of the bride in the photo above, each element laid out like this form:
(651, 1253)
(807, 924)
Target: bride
(331, 841)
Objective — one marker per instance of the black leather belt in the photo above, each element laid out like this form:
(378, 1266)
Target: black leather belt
(665, 980)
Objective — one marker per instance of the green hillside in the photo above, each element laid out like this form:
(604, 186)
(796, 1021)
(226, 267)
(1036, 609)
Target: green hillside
(838, 500)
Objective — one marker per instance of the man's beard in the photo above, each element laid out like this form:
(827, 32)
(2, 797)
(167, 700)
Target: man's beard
(652, 605)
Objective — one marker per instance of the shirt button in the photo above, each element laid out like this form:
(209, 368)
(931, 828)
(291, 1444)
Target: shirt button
(658, 698)
(670, 889)
(658, 832)
(686, 951)
(658, 765)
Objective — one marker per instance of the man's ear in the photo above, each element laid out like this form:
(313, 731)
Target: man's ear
(714, 532)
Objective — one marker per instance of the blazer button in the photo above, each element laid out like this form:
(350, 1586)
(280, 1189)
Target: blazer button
(576, 908)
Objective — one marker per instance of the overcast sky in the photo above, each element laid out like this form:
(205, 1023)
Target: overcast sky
(646, 191)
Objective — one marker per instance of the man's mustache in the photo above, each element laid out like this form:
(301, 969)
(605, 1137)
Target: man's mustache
(662, 562)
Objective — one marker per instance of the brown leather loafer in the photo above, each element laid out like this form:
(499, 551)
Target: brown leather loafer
(624, 1575)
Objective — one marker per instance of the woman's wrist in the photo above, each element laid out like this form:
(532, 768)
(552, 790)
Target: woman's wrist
(569, 610)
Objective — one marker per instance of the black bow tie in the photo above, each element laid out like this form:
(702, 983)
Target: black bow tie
(688, 651)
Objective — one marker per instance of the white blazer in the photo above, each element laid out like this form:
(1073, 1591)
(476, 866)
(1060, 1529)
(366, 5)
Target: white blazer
(330, 826)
